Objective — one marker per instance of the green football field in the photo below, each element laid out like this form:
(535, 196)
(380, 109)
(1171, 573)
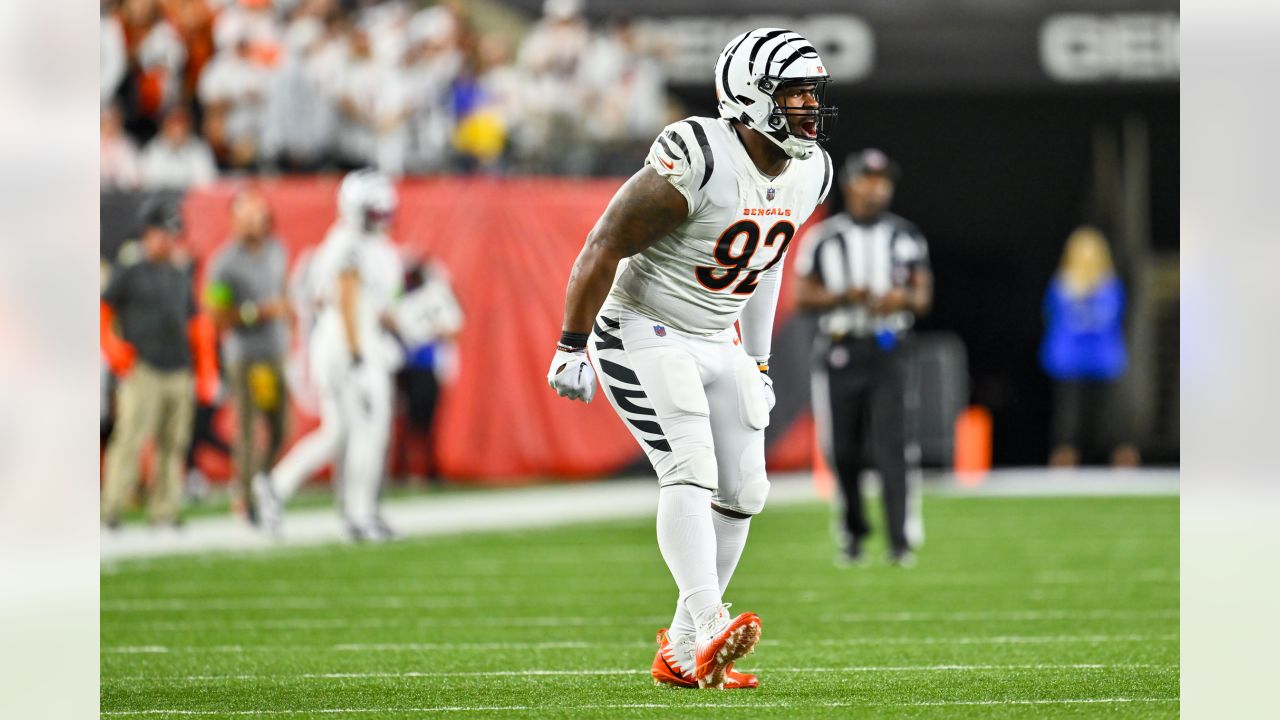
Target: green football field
(1020, 607)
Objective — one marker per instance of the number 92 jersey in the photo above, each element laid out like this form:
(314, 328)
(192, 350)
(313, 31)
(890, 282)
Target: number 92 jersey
(740, 223)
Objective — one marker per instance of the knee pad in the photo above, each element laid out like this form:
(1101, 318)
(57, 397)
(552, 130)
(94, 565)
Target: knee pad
(755, 483)
(752, 487)
(693, 466)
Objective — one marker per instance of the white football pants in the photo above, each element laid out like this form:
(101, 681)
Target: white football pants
(695, 404)
(355, 426)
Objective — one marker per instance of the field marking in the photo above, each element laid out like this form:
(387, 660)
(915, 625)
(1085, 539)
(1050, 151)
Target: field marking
(644, 706)
(449, 583)
(582, 620)
(466, 598)
(160, 679)
(577, 645)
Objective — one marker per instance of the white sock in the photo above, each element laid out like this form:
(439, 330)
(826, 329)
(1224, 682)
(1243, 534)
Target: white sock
(731, 538)
(687, 539)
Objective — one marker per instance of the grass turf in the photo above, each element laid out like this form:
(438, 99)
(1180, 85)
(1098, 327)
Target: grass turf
(1027, 608)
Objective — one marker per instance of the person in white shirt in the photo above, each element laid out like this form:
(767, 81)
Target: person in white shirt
(117, 155)
(175, 158)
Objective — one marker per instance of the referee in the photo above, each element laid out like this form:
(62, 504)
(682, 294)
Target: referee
(866, 273)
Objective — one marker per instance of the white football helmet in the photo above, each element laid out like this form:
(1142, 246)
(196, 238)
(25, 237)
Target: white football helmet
(754, 67)
(366, 200)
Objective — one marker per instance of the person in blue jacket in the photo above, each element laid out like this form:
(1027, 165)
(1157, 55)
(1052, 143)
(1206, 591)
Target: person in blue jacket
(1084, 351)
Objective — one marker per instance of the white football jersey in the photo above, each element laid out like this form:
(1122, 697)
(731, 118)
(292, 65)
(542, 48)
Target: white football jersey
(376, 261)
(740, 224)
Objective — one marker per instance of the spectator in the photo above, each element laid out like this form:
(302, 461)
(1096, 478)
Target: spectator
(375, 102)
(175, 158)
(254, 23)
(153, 358)
(117, 156)
(155, 58)
(627, 86)
(1084, 351)
(300, 115)
(434, 62)
(482, 137)
(549, 139)
(112, 62)
(193, 20)
(246, 295)
(232, 89)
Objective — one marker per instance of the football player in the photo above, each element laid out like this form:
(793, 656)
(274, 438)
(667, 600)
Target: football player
(355, 276)
(696, 240)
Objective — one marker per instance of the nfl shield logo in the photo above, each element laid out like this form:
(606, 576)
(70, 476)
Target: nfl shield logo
(659, 330)
(769, 195)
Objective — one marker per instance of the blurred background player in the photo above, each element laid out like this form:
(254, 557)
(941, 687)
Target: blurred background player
(1084, 352)
(152, 355)
(428, 318)
(246, 294)
(866, 271)
(356, 275)
(683, 238)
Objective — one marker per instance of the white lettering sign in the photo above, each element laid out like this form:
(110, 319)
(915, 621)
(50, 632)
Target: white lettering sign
(1127, 46)
(693, 43)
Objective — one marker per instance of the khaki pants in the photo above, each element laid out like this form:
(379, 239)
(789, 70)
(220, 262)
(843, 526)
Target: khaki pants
(257, 392)
(157, 404)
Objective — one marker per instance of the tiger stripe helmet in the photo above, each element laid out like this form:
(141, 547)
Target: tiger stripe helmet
(754, 67)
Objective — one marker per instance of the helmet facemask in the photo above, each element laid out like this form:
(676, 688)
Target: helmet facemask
(753, 71)
(823, 116)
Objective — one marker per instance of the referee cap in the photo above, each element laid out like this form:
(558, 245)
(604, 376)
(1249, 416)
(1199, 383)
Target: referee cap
(870, 162)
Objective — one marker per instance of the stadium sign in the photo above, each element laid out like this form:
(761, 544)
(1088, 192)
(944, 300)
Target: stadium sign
(1082, 47)
(692, 43)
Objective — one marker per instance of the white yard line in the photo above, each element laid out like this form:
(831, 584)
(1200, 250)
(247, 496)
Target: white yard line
(584, 621)
(456, 647)
(641, 706)
(162, 679)
(371, 598)
(556, 505)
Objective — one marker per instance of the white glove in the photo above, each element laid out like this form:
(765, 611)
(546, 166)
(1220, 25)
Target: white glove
(770, 398)
(571, 375)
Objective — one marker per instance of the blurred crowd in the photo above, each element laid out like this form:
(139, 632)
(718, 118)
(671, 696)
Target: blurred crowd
(191, 89)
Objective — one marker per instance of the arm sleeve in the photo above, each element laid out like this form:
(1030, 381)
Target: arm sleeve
(756, 320)
(677, 157)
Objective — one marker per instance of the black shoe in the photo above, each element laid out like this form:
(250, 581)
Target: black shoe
(852, 555)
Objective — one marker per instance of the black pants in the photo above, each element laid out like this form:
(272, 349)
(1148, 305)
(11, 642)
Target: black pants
(866, 427)
(1084, 417)
(422, 393)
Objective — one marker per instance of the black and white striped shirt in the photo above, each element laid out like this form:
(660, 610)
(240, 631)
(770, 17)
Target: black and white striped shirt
(844, 254)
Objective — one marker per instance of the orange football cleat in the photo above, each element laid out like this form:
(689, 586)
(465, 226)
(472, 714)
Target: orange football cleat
(667, 670)
(720, 643)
